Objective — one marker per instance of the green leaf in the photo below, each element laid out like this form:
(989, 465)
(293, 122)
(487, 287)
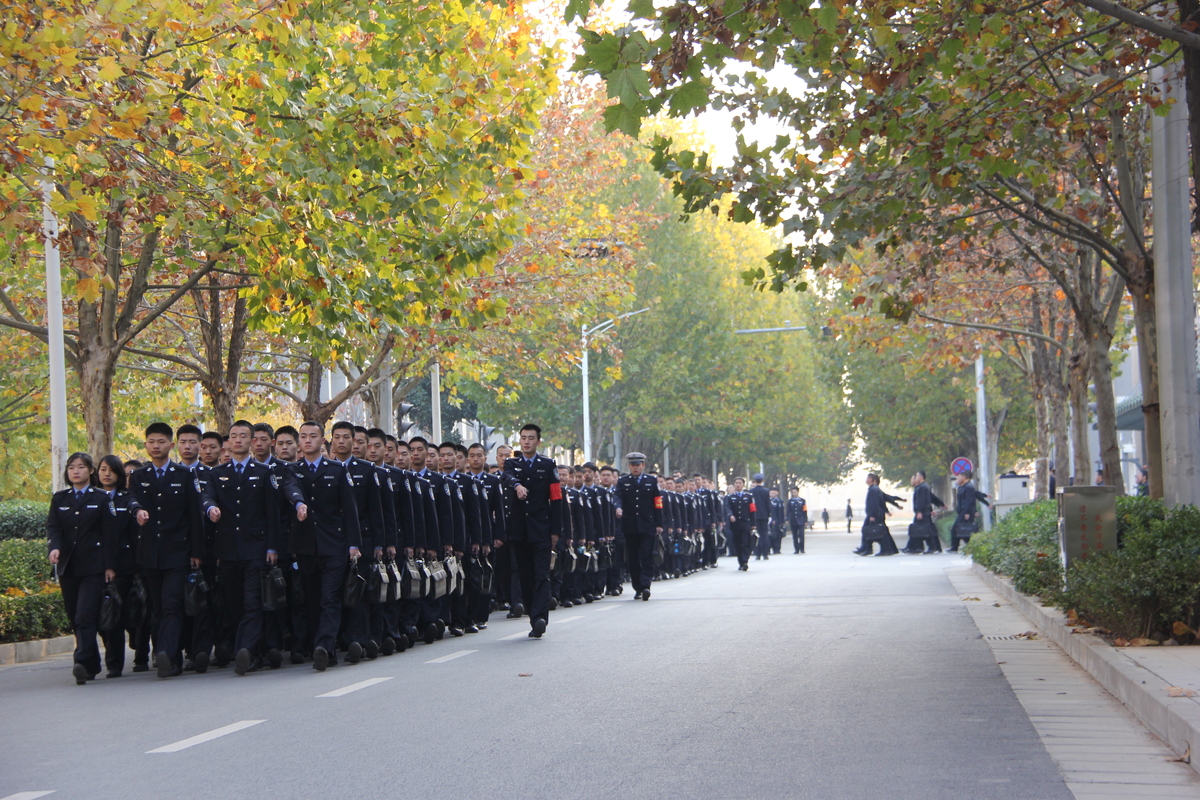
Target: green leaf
(631, 85)
(691, 96)
(627, 119)
(827, 16)
(577, 9)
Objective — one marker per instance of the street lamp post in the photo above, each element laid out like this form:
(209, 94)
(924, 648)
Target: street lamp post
(54, 329)
(583, 363)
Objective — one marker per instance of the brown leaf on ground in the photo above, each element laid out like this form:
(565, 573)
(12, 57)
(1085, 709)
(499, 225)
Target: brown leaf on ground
(1180, 628)
(1179, 691)
(1142, 641)
(524, 674)
(965, 599)
(1119, 642)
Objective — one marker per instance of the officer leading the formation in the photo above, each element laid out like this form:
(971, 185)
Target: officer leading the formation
(535, 524)
(640, 511)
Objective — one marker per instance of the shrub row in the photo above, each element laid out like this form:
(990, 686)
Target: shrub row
(22, 519)
(1148, 587)
(31, 605)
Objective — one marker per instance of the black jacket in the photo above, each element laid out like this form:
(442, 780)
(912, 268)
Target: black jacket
(797, 512)
(331, 527)
(741, 508)
(175, 530)
(368, 486)
(250, 510)
(443, 498)
(641, 505)
(539, 516)
(122, 510)
(966, 501)
(762, 503)
(78, 530)
(492, 494)
(924, 500)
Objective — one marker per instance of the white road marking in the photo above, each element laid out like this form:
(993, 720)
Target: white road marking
(656, 590)
(565, 620)
(605, 608)
(29, 795)
(451, 657)
(354, 687)
(512, 636)
(207, 737)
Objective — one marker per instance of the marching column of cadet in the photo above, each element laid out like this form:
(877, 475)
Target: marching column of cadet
(260, 542)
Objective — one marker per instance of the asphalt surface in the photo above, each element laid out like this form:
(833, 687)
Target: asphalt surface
(822, 675)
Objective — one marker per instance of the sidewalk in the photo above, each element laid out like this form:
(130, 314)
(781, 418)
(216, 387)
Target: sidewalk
(24, 652)
(1159, 685)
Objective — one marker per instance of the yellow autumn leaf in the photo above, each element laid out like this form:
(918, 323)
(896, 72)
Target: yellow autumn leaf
(108, 69)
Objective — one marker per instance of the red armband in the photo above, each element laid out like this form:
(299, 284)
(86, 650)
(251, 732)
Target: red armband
(753, 508)
(556, 491)
(658, 502)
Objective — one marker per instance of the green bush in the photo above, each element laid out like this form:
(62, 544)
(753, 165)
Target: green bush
(1024, 546)
(1151, 583)
(22, 519)
(31, 606)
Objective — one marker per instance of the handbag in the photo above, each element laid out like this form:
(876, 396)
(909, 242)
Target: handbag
(487, 576)
(195, 594)
(393, 575)
(137, 606)
(553, 560)
(660, 551)
(875, 531)
(110, 608)
(377, 584)
(274, 589)
(474, 571)
(456, 578)
(413, 580)
(356, 584)
(437, 580)
(583, 560)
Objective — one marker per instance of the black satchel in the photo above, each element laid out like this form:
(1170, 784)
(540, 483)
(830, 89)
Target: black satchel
(487, 576)
(413, 580)
(352, 592)
(195, 594)
(377, 584)
(437, 580)
(875, 531)
(660, 551)
(393, 575)
(274, 589)
(110, 608)
(137, 606)
(474, 571)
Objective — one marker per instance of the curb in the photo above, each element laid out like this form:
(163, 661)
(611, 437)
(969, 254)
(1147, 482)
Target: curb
(1174, 720)
(23, 652)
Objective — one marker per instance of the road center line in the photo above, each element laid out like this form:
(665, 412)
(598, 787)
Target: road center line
(451, 657)
(512, 636)
(29, 795)
(565, 620)
(354, 687)
(206, 737)
(605, 607)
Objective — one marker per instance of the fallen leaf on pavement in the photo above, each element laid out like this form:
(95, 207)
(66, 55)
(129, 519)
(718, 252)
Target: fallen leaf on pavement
(1142, 641)
(524, 674)
(1119, 642)
(965, 599)
(1179, 691)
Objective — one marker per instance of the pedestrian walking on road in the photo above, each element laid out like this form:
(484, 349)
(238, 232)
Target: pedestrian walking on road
(849, 517)
(825, 517)
(875, 527)
(535, 525)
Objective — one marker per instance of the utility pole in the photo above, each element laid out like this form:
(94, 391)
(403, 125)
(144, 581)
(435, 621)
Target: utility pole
(583, 363)
(435, 392)
(981, 476)
(1175, 304)
(387, 418)
(666, 456)
(54, 330)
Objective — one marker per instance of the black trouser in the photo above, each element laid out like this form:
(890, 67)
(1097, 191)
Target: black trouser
(326, 576)
(739, 536)
(241, 585)
(165, 587)
(887, 545)
(639, 548)
(82, 595)
(798, 537)
(764, 537)
(200, 632)
(114, 640)
(615, 578)
(532, 560)
(358, 619)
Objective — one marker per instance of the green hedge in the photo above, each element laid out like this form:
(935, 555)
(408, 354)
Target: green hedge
(31, 605)
(22, 519)
(1149, 587)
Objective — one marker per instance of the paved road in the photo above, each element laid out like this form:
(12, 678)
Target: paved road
(816, 676)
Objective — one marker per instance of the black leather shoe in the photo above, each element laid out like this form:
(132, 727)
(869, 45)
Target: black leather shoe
(242, 661)
(429, 635)
(274, 658)
(441, 628)
(189, 666)
(518, 610)
(565, 604)
(372, 650)
(201, 661)
(297, 657)
(221, 656)
(637, 596)
(645, 595)
(455, 631)
(163, 662)
(470, 628)
(141, 667)
(113, 673)
(481, 626)
(320, 659)
(354, 653)
(553, 603)
(81, 674)
(388, 647)
(539, 627)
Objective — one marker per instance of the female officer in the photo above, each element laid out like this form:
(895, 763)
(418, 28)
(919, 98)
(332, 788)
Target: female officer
(83, 549)
(122, 507)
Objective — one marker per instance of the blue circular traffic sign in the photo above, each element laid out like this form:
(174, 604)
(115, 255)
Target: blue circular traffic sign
(960, 466)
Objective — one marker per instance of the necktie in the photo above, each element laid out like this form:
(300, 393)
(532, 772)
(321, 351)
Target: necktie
(160, 472)
(238, 468)
(312, 467)
(79, 494)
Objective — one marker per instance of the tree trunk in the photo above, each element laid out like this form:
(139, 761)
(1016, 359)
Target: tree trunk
(1146, 324)
(96, 367)
(1081, 468)
(1106, 412)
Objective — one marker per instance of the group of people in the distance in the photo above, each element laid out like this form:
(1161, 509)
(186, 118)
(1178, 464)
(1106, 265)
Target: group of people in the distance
(923, 535)
(237, 548)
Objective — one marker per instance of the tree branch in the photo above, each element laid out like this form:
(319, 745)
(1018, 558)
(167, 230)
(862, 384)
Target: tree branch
(999, 328)
(1146, 23)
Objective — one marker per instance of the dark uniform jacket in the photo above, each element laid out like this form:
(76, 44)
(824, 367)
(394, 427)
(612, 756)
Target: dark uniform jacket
(924, 500)
(430, 537)
(742, 508)
(175, 531)
(208, 529)
(77, 529)
(540, 515)
(965, 500)
(368, 486)
(401, 492)
(797, 512)
(762, 503)
(640, 503)
(250, 506)
(777, 512)
(877, 503)
(331, 527)
(443, 495)
(122, 511)
(492, 493)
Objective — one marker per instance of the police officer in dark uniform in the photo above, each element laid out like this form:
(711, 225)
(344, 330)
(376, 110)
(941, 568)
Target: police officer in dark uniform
(397, 506)
(875, 525)
(762, 516)
(172, 539)
(797, 514)
(242, 499)
(741, 507)
(640, 511)
(534, 526)
(435, 613)
(325, 542)
(492, 507)
(966, 504)
(83, 548)
(922, 533)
